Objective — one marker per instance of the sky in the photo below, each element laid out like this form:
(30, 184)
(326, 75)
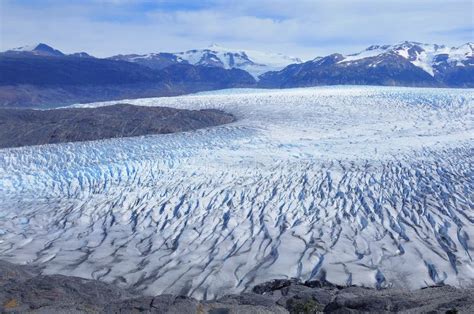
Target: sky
(301, 28)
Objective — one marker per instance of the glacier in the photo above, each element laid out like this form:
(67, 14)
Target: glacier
(369, 186)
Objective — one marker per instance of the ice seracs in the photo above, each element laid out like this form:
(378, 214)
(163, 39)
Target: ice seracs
(367, 186)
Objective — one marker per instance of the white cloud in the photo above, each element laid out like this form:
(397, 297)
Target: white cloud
(301, 27)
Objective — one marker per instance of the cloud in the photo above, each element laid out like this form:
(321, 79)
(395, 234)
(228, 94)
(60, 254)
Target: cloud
(304, 28)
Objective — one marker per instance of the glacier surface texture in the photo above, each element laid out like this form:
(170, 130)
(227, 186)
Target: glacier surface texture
(356, 185)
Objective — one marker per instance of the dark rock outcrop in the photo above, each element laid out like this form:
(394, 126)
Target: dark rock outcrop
(22, 127)
(23, 289)
(316, 296)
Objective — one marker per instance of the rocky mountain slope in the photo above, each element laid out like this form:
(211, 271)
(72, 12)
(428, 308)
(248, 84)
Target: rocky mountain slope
(405, 64)
(24, 289)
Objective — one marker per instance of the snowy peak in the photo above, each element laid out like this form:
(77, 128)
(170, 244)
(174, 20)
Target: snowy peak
(155, 61)
(44, 50)
(404, 64)
(254, 62)
(328, 60)
(81, 55)
(39, 49)
(216, 56)
(428, 57)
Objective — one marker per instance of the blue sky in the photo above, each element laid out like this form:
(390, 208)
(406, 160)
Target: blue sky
(303, 28)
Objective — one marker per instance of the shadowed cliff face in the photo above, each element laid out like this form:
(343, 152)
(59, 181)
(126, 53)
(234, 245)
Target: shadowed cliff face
(24, 289)
(22, 127)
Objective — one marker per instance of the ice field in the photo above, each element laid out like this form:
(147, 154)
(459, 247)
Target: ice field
(370, 186)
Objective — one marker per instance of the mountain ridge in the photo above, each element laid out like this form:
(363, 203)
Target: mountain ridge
(40, 75)
(398, 64)
(420, 54)
(34, 77)
(252, 61)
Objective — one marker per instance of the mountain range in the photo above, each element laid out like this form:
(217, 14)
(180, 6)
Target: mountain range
(405, 64)
(251, 61)
(40, 75)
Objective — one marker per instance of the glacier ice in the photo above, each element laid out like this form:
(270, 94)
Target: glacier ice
(358, 185)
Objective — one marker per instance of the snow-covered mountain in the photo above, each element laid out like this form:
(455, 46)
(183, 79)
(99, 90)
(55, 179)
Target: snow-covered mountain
(38, 49)
(428, 57)
(403, 64)
(406, 64)
(252, 61)
(156, 61)
(44, 50)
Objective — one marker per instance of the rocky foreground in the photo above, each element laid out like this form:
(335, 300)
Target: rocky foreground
(24, 289)
(24, 127)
